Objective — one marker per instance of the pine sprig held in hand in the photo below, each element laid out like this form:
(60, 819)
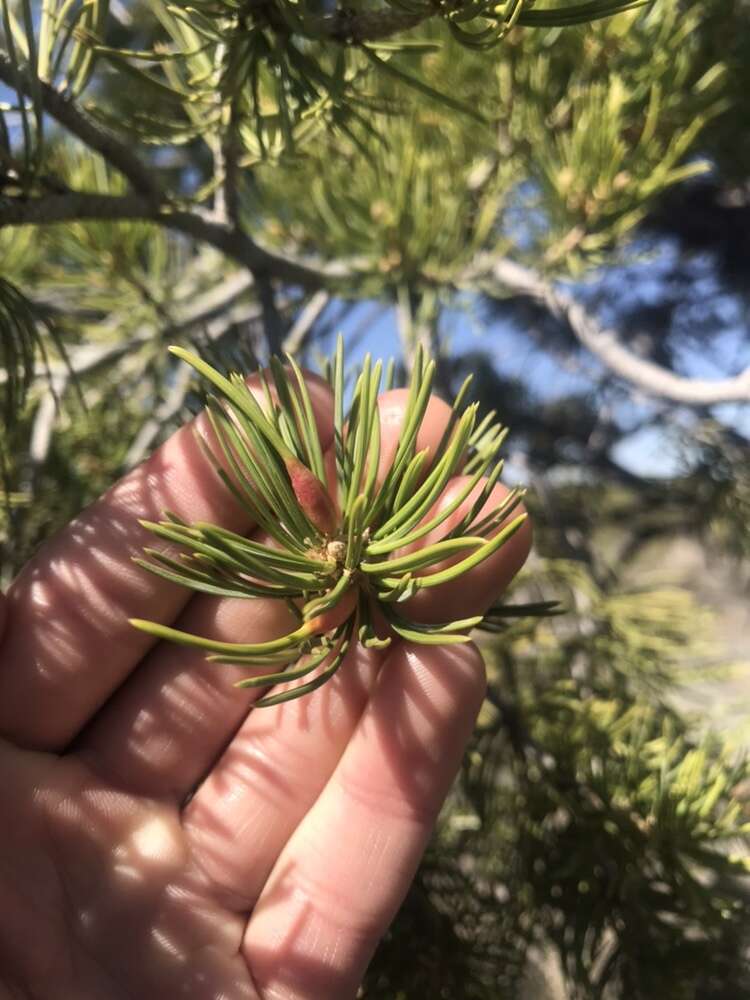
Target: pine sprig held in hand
(338, 561)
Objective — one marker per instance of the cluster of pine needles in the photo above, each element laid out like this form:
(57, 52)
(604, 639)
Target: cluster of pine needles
(341, 556)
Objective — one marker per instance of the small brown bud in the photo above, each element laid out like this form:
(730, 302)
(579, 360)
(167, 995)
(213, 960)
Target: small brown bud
(312, 496)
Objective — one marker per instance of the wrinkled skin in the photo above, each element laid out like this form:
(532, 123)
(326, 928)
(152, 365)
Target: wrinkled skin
(160, 839)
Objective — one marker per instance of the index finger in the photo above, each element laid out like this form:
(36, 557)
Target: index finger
(67, 643)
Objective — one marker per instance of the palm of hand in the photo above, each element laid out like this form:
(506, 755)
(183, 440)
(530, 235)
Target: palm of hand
(100, 895)
(162, 840)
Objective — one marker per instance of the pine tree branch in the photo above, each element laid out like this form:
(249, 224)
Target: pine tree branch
(272, 325)
(235, 243)
(174, 401)
(354, 27)
(230, 151)
(77, 206)
(345, 26)
(166, 411)
(213, 303)
(215, 311)
(73, 206)
(225, 148)
(85, 128)
(227, 204)
(302, 325)
(606, 345)
(148, 201)
(205, 309)
(44, 421)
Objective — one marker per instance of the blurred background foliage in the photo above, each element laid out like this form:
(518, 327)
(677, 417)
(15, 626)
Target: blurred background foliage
(517, 186)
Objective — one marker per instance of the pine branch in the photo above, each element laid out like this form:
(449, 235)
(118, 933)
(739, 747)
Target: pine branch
(73, 206)
(606, 345)
(228, 196)
(302, 325)
(205, 309)
(78, 206)
(354, 27)
(272, 325)
(148, 201)
(215, 301)
(345, 26)
(235, 243)
(215, 312)
(79, 124)
(174, 401)
(44, 423)
(226, 149)
(167, 410)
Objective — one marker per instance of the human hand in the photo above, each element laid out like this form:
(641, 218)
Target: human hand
(160, 839)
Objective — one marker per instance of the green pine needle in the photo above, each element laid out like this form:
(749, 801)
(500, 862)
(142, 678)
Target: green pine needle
(339, 560)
